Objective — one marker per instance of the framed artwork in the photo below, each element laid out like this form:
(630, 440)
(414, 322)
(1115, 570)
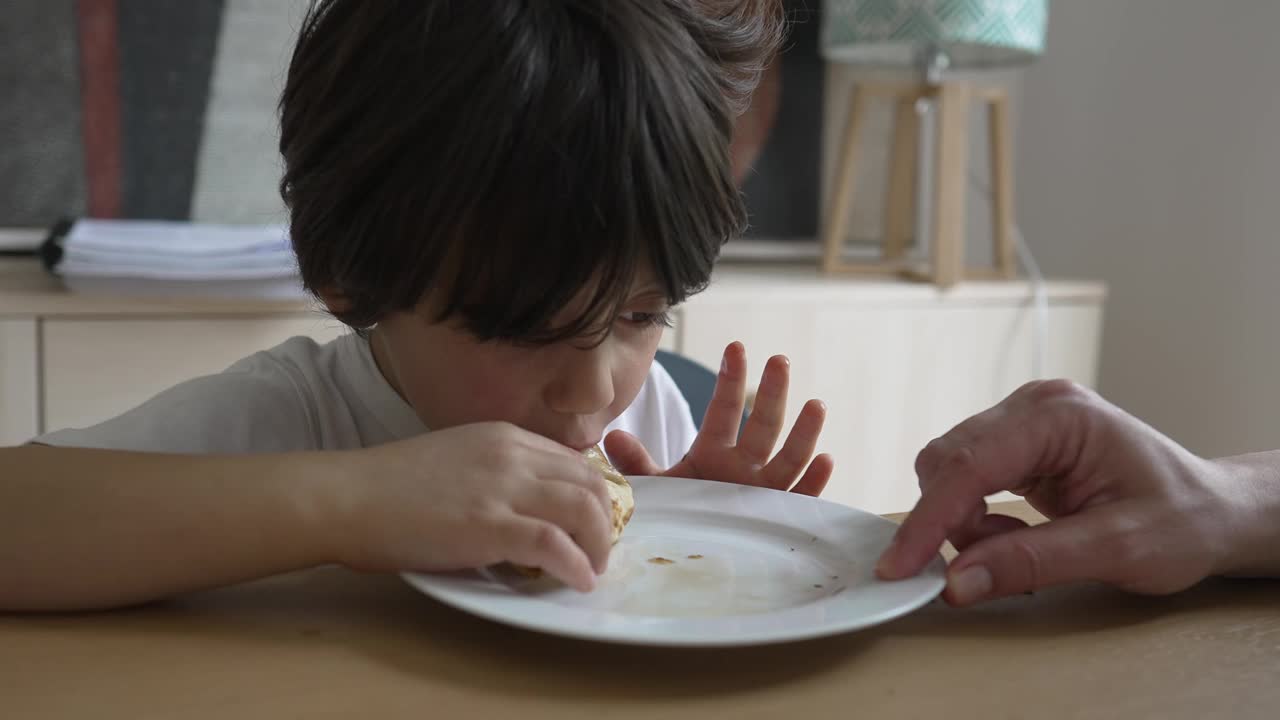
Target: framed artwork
(166, 110)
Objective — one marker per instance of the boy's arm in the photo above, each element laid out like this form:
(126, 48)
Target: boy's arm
(83, 528)
(97, 528)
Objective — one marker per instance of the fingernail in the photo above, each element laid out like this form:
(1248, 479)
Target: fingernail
(970, 584)
(724, 364)
(885, 567)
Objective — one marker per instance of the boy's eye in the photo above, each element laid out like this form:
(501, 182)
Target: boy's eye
(646, 319)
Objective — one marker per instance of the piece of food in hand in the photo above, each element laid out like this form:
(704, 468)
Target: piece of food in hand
(621, 500)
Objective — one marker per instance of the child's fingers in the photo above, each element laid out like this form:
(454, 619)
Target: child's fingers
(724, 412)
(537, 543)
(768, 413)
(782, 471)
(628, 454)
(576, 511)
(815, 479)
(578, 472)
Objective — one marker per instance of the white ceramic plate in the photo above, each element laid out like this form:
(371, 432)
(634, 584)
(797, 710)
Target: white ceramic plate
(711, 564)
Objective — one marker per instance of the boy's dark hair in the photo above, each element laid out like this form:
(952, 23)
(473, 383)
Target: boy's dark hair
(499, 157)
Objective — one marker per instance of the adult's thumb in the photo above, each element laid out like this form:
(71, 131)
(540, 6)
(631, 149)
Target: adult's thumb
(1053, 553)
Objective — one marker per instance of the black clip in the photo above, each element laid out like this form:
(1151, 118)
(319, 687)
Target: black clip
(51, 249)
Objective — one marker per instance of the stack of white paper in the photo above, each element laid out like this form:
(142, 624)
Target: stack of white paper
(153, 257)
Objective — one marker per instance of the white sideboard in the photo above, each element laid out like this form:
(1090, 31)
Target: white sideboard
(897, 363)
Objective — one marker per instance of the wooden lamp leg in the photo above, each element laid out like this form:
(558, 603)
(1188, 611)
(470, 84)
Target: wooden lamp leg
(1001, 185)
(899, 208)
(840, 202)
(950, 181)
(947, 198)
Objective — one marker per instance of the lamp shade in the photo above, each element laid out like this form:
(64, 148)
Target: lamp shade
(971, 33)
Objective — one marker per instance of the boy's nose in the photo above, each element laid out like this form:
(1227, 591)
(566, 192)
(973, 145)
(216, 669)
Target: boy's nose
(583, 384)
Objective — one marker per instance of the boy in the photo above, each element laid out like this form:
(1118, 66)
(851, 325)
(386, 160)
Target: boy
(503, 199)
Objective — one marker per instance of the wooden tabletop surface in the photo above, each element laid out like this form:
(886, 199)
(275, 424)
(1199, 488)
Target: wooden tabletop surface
(332, 643)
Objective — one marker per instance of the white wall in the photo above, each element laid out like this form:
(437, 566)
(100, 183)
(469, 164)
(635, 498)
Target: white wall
(1148, 155)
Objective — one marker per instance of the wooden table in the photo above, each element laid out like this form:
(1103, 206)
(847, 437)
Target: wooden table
(330, 643)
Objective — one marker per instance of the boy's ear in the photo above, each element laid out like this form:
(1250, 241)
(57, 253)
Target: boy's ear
(334, 300)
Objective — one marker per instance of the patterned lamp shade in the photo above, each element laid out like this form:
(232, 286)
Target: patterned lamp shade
(972, 33)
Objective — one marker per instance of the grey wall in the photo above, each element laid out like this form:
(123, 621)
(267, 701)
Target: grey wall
(1149, 156)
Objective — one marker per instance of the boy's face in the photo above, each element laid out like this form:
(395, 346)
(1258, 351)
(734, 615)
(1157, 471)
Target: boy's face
(566, 391)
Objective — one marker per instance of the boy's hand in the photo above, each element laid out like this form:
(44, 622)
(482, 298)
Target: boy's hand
(718, 453)
(471, 496)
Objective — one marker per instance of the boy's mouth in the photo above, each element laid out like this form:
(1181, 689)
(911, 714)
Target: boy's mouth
(579, 443)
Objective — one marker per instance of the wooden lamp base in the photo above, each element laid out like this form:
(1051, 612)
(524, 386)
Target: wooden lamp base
(946, 264)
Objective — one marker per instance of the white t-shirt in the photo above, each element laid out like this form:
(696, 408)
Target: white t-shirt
(301, 395)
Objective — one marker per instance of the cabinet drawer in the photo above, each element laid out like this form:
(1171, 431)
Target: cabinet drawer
(19, 373)
(96, 369)
(892, 378)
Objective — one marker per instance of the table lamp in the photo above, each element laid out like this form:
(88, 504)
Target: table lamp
(928, 38)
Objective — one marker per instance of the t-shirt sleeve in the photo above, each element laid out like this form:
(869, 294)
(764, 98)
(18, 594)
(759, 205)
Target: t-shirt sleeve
(253, 407)
(681, 431)
(660, 418)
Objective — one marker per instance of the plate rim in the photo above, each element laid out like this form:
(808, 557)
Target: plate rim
(931, 581)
